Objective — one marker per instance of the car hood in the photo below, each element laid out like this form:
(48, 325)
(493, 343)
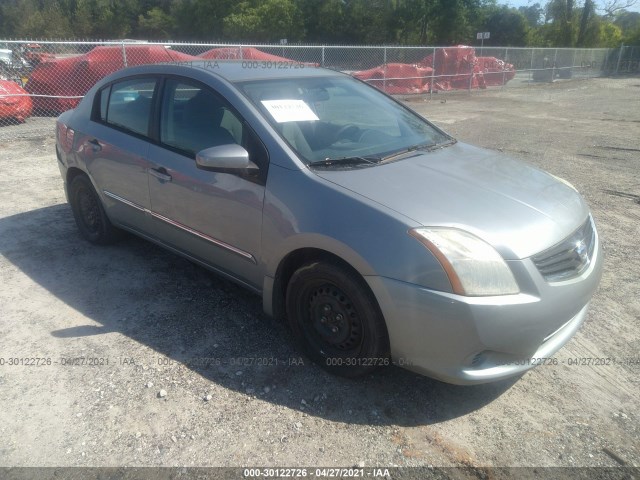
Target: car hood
(518, 209)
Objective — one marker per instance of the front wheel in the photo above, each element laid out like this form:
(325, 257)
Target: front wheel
(90, 217)
(336, 320)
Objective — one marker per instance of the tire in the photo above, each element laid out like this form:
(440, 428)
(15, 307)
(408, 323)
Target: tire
(336, 320)
(89, 214)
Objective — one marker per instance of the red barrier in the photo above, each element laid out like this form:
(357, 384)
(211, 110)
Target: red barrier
(453, 68)
(248, 53)
(398, 78)
(495, 71)
(74, 76)
(241, 53)
(14, 102)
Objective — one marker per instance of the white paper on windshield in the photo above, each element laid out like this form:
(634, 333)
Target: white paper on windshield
(289, 110)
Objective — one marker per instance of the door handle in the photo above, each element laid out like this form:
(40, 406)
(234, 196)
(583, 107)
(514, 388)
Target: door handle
(161, 174)
(95, 145)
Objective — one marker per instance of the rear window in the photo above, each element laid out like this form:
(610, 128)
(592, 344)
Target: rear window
(127, 105)
(104, 99)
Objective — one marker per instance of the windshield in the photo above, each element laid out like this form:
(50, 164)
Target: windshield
(333, 118)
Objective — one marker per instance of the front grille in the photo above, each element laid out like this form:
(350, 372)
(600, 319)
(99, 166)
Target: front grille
(569, 258)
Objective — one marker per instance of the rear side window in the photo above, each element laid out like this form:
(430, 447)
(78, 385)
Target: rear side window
(127, 105)
(104, 99)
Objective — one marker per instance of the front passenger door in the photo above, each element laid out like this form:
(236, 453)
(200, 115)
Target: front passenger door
(215, 217)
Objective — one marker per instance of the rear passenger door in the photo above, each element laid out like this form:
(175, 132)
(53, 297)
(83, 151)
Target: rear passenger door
(116, 146)
(215, 217)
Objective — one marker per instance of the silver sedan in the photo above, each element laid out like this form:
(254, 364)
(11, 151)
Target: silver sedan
(376, 235)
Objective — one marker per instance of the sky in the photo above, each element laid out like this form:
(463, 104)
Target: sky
(522, 3)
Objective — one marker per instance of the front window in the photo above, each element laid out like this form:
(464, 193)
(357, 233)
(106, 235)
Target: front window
(195, 118)
(334, 118)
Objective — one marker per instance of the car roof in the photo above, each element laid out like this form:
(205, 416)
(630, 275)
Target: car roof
(243, 70)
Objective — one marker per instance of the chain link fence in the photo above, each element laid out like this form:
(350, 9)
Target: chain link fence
(45, 78)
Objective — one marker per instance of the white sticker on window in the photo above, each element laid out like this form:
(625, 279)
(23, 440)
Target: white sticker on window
(289, 111)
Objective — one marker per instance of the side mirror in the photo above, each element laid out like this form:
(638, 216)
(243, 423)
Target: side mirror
(224, 157)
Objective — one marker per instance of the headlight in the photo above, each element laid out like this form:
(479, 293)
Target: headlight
(473, 266)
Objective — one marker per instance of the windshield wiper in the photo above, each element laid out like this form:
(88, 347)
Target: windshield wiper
(356, 160)
(328, 162)
(420, 146)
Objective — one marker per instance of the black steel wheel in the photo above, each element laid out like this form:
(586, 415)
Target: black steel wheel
(90, 217)
(336, 319)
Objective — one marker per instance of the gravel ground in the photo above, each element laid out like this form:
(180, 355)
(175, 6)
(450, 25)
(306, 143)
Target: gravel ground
(183, 369)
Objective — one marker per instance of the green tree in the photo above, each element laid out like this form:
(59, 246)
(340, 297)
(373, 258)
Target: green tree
(533, 13)
(628, 21)
(422, 22)
(103, 19)
(266, 21)
(13, 14)
(508, 27)
(609, 35)
(633, 38)
(560, 23)
(412, 22)
(125, 15)
(455, 21)
(56, 23)
(32, 18)
(367, 20)
(324, 22)
(587, 16)
(200, 19)
(156, 24)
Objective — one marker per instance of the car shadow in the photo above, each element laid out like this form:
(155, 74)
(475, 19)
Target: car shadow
(186, 314)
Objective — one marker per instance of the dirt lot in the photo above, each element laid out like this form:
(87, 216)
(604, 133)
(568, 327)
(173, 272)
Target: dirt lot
(149, 318)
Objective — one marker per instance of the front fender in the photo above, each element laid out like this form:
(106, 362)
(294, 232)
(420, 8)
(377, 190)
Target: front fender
(303, 210)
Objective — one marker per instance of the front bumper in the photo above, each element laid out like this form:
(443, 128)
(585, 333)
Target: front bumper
(469, 340)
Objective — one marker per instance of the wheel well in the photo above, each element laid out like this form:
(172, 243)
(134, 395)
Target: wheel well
(290, 264)
(72, 173)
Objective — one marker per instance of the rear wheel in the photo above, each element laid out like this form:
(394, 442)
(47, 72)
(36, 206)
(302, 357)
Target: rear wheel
(89, 214)
(336, 320)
